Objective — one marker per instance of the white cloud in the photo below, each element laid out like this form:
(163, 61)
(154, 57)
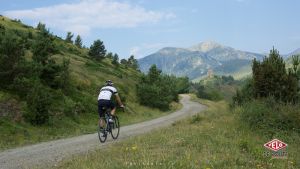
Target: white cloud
(134, 51)
(146, 49)
(83, 16)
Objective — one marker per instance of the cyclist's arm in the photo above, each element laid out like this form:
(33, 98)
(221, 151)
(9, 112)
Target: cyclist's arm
(119, 100)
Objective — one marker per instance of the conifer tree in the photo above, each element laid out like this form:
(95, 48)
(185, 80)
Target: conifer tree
(69, 37)
(97, 50)
(78, 41)
(115, 60)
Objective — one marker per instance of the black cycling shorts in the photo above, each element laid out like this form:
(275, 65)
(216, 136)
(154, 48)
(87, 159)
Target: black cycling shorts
(104, 104)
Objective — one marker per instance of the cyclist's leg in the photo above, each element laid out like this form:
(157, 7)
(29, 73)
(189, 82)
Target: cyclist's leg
(101, 114)
(113, 108)
(101, 121)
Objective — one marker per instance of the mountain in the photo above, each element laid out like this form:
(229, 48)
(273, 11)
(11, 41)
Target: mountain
(223, 53)
(288, 57)
(179, 61)
(295, 52)
(195, 61)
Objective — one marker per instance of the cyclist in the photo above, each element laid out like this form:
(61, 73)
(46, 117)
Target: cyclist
(104, 100)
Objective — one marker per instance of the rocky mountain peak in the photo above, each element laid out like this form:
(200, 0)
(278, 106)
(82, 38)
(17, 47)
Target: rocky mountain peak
(206, 46)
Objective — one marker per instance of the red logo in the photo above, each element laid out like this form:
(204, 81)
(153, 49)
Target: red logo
(275, 145)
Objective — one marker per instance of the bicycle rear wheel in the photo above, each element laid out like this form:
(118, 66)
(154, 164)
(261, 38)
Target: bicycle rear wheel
(102, 133)
(115, 128)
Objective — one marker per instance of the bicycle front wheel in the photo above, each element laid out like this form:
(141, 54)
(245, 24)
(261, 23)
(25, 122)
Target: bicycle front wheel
(115, 128)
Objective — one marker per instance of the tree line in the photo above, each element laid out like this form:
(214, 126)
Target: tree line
(98, 52)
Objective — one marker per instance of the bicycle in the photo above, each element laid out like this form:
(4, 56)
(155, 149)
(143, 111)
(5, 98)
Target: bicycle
(110, 127)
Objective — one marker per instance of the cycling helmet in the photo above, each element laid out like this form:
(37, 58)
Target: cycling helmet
(109, 83)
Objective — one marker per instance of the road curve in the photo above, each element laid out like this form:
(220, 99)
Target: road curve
(47, 154)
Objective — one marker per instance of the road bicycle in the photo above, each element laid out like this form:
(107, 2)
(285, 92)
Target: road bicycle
(112, 128)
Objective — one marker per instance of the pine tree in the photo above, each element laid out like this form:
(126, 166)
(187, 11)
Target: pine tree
(41, 27)
(69, 37)
(133, 62)
(154, 73)
(123, 62)
(115, 60)
(109, 55)
(11, 54)
(97, 50)
(78, 41)
(42, 49)
(271, 79)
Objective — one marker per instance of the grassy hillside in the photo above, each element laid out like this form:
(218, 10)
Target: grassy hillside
(216, 88)
(73, 113)
(212, 139)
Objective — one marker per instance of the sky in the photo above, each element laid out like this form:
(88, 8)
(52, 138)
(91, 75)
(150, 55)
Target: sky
(141, 27)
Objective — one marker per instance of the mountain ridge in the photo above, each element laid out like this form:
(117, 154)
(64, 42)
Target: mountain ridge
(195, 61)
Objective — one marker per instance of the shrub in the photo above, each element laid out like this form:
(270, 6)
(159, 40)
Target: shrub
(244, 94)
(38, 102)
(196, 119)
(158, 90)
(270, 116)
(208, 93)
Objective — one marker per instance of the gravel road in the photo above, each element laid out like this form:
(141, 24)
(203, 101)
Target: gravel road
(48, 154)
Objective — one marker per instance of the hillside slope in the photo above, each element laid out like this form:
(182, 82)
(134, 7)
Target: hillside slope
(73, 111)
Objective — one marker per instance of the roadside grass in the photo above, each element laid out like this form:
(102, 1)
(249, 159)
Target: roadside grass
(15, 134)
(214, 138)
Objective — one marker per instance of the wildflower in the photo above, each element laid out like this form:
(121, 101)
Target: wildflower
(134, 147)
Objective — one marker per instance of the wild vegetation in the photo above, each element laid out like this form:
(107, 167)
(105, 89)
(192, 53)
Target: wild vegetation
(214, 138)
(269, 102)
(215, 88)
(158, 90)
(224, 136)
(49, 85)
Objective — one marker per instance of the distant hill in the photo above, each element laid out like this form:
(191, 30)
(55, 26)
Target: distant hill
(295, 52)
(288, 57)
(195, 61)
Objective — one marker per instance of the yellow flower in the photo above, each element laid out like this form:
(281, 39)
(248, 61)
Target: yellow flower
(134, 147)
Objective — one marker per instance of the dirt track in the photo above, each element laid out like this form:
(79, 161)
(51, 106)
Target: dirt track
(47, 154)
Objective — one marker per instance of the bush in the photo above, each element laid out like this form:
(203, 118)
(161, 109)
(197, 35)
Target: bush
(38, 102)
(243, 95)
(158, 90)
(208, 93)
(11, 54)
(270, 116)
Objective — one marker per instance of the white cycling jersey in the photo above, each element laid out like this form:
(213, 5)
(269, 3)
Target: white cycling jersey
(106, 92)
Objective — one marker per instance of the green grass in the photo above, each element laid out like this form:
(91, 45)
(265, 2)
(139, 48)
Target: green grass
(212, 139)
(15, 134)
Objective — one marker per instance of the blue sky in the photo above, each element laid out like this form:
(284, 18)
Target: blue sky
(141, 27)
